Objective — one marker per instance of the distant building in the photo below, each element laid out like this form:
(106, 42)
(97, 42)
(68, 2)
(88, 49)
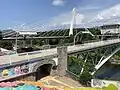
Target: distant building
(110, 29)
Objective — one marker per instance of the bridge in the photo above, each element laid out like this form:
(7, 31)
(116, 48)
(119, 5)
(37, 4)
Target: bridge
(52, 57)
(38, 64)
(53, 52)
(22, 38)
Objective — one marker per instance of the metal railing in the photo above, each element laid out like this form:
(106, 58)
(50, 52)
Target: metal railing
(72, 75)
(28, 55)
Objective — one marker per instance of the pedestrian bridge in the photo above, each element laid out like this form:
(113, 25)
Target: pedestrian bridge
(33, 60)
(51, 53)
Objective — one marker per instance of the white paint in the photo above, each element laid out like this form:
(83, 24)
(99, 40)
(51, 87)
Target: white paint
(56, 60)
(100, 64)
(72, 22)
(85, 32)
(114, 30)
(27, 33)
(4, 50)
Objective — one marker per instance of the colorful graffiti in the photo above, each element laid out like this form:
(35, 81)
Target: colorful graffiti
(14, 71)
(17, 86)
(104, 83)
(27, 85)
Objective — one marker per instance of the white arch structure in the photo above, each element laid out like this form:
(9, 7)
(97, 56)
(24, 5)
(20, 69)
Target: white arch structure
(103, 61)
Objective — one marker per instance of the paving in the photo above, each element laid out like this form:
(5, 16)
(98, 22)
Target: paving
(60, 81)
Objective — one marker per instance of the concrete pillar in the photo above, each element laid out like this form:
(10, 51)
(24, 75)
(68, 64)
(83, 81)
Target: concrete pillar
(31, 42)
(62, 60)
(24, 44)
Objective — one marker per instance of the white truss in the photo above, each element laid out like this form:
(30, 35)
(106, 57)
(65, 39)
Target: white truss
(103, 61)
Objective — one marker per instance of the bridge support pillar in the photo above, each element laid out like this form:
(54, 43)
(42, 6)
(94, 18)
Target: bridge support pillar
(62, 60)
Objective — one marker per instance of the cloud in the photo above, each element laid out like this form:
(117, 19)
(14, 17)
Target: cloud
(58, 2)
(64, 20)
(61, 21)
(111, 14)
(88, 17)
(67, 17)
(89, 7)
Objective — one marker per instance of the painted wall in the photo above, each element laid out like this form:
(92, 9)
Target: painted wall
(104, 83)
(16, 70)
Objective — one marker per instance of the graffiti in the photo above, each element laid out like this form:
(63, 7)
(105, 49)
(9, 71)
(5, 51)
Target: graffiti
(98, 83)
(25, 68)
(11, 72)
(5, 73)
(17, 70)
(14, 71)
(104, 83)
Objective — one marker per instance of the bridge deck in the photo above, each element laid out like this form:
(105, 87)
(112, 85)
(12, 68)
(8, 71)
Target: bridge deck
(53, 52)
(22, 38)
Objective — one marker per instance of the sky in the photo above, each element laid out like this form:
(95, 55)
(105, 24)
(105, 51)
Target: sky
(39, 14)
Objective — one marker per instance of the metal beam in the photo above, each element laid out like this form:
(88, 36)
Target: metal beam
(21, 38)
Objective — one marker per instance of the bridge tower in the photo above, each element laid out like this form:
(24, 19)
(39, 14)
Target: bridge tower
(62, 60)
(72, 21)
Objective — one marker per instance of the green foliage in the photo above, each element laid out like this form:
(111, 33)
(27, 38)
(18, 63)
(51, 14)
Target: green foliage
(117, 56)
(53, 41)
(0, 35)
(6, 44)
(75, 65)
(95, 31)
(37, 42)
(85, 77)
(79, 39)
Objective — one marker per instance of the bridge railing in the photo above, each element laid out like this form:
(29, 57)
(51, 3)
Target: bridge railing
(8, 59)
(72, 75)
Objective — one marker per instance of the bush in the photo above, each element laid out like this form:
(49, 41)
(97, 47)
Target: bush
(6, 44)
(75, 65)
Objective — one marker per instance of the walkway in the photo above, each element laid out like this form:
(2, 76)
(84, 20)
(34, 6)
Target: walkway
(60, 82)
(49, 53)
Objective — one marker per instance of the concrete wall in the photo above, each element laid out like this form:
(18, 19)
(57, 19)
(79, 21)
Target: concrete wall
(59, 67)
(42, 62)
(62, 60)
(28, 77)
(104, 83)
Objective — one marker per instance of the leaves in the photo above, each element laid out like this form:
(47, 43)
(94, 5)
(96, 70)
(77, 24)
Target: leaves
(75, 65)
(6, 44)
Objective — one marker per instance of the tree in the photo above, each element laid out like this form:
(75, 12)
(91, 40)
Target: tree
(0, 35)
(75, 65)
(6, 44)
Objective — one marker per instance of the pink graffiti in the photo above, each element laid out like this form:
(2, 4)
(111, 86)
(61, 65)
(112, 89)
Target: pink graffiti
(18, 70)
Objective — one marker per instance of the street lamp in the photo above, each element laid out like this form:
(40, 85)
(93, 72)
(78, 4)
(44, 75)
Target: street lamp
(16, 42)
(15, 28)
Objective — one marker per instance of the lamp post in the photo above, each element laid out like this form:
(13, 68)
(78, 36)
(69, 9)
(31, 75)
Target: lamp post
(16, 42)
